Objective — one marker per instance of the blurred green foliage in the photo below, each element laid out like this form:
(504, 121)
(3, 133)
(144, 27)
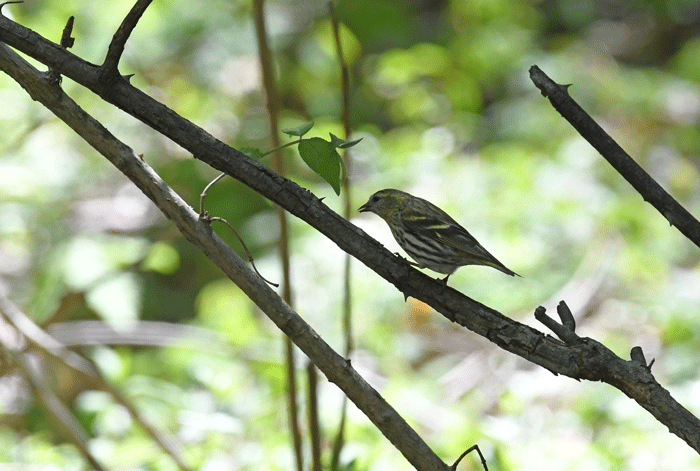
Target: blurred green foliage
(441, 97)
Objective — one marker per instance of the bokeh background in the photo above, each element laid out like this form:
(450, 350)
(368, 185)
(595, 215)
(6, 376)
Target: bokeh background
(440, 96)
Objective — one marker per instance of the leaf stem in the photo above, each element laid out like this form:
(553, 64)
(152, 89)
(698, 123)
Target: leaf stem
(282, 147)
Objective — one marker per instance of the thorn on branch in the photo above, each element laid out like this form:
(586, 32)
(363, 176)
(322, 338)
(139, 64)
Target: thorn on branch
(565, 330)
(469, 450)
(67, 40)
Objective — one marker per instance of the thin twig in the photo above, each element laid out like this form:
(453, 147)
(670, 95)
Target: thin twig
(314, 426)
(202, 214)
(67, 40)
(340, 436)
(204, 194)
(650, 190)
(245, 247)
(469, 450)
(347, 210)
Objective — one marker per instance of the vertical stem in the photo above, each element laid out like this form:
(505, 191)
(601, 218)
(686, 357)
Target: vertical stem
(278, 165)
(347, 211)
(314, 427)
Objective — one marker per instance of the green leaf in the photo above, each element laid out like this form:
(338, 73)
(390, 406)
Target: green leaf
(342, 143)
(336, 141)
(252, 152)
(349, 144)
(321, 156)
(299, 130)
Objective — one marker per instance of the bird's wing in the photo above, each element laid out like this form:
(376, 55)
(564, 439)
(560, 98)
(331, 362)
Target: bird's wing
(441, 227)
(451, 233)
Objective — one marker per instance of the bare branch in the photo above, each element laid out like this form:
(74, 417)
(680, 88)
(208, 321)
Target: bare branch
(466, 452)
(650, 190)
(116, 47)
(61, 417)
(49, 347)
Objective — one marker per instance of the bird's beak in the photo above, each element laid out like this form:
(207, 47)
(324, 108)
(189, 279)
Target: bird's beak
(364, 208)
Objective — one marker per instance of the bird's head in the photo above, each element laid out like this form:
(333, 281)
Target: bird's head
(384, 203)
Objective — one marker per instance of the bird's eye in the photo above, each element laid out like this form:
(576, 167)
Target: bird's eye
(374, 198)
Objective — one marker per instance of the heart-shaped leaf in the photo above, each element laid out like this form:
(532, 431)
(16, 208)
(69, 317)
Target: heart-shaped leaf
(321, 156)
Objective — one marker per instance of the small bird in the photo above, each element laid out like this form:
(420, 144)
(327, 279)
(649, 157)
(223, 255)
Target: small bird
(428, 234)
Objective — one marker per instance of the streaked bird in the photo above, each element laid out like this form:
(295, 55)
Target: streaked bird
(428, 234)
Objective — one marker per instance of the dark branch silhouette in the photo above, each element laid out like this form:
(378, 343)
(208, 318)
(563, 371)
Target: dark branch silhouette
(116, 47)
(650, 190)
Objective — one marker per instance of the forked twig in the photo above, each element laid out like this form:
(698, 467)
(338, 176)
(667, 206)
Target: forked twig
(566, 330)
